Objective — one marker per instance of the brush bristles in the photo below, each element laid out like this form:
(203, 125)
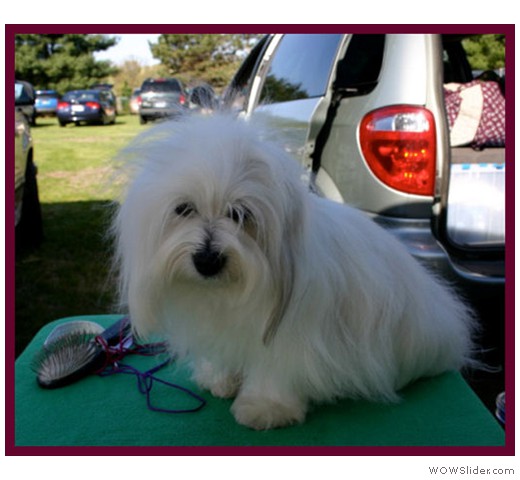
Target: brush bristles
(65, 358)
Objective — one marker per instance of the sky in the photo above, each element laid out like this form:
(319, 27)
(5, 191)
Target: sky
(130, 47)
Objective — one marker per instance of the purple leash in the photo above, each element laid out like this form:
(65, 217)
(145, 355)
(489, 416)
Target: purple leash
(145, 382)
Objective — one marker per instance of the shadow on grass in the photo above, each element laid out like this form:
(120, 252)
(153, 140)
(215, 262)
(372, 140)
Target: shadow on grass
(69, 274)
(42, 122)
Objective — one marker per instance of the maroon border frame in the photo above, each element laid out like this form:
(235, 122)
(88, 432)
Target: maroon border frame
(11, 449)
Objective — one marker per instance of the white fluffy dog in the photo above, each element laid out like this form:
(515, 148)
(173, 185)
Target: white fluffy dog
(276, 297)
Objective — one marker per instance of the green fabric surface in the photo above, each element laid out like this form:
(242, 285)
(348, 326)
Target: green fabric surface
(110, 411)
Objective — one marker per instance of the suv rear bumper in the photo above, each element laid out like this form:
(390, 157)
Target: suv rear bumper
(416, 235)
(155, 113)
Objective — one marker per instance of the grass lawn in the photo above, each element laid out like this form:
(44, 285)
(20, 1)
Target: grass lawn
(69, 273)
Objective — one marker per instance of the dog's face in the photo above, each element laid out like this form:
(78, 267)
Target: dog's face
(213, 228)
(212, 208)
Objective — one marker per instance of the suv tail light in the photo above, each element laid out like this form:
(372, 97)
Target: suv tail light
(399, 145)
(62, 105)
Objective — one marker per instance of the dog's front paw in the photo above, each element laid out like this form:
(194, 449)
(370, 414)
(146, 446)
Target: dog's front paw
(262, 413)
(220, 385)
(226, 387)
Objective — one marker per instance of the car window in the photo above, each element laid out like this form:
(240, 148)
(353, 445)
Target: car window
(80, 96)
(301, 67)
(455, 62)
(358, 71)
(89, 96)
(158, 86)
(238, 90)
(18, 90)
(23, 93)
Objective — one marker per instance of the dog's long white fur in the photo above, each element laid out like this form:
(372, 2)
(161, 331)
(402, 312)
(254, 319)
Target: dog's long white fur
(314, 303)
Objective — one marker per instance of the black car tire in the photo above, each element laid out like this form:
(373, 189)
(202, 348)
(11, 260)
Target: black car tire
(29, 231)
(62, 124)
(142, 120)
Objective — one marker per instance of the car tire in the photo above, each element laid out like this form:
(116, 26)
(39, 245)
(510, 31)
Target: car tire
(29, 231)
(62, 124)
(142, 120)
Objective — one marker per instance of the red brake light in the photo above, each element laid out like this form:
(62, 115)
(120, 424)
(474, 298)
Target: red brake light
(399, 145)
(94, 105)
(62, 105)
(182, 99)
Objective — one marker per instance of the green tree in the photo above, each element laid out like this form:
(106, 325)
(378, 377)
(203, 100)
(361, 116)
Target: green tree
(131, 74)
(62, 62)
(212, 58)
(486, 52)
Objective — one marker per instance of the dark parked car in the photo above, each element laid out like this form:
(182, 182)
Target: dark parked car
(90, 106)
(369, 118)
(28, 216)
(46, 102)
(161, 98)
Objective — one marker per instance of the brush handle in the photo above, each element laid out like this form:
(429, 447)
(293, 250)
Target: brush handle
(117, 332)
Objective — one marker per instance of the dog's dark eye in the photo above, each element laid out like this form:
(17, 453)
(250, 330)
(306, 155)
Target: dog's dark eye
(184, 209)
(239, 214)
(235, 215)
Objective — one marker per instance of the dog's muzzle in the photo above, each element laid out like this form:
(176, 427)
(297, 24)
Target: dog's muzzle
(209, 262)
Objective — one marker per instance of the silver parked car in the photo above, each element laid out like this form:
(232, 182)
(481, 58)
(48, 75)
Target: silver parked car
(28, 215)
(161, 98)
(367, 117)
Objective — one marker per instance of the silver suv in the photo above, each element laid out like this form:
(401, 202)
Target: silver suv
(366, 116)
(161, 98)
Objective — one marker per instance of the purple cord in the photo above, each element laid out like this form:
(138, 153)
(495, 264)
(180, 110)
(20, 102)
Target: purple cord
(145, 381)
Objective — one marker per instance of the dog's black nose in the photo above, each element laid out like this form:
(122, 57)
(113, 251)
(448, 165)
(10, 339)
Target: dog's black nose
(209, 262)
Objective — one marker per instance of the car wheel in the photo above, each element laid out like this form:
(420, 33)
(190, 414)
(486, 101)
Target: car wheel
(29, 231)
(142, 120)
(62, 124)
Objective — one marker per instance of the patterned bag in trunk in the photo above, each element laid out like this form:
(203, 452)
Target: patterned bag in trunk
(476, 114)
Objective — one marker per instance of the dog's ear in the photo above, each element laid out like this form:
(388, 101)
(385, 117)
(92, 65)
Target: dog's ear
(289, 249)
(285, 282)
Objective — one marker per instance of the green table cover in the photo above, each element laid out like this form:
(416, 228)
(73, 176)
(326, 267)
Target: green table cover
(110, 411)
